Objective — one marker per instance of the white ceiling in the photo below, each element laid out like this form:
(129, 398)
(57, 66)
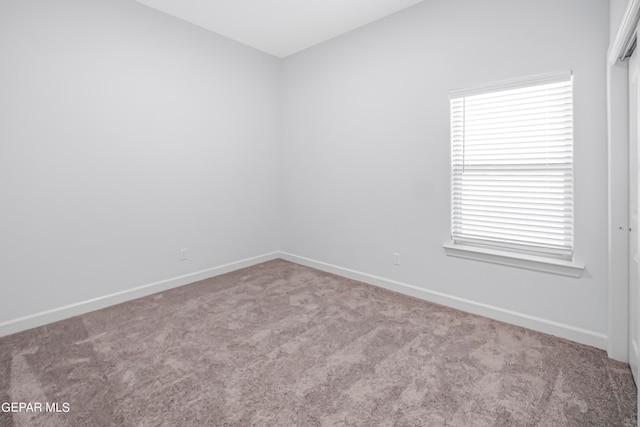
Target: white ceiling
(280, 27)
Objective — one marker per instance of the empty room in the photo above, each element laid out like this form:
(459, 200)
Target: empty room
(338, 212)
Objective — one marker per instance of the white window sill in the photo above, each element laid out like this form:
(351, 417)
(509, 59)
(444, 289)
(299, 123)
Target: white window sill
(529, 262)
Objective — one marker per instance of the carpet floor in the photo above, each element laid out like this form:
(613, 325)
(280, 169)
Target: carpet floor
(279, 344)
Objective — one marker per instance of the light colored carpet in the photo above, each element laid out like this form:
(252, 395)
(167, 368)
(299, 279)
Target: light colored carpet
(280, 344)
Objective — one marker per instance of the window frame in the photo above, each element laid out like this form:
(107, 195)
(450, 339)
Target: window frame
(501, 253)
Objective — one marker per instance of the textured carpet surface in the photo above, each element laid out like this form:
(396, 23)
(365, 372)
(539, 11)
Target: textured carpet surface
(279, 344)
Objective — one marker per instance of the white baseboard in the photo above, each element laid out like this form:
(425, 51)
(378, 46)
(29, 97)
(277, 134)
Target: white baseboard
(56, 314)
(579, 335)
(550, 327)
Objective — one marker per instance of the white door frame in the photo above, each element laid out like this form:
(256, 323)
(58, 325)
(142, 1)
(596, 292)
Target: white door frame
(634, 263)
(618, 175)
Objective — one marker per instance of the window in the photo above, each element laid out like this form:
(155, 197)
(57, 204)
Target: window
(512, 169)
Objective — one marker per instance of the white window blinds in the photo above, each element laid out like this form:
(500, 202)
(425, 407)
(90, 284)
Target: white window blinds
(512, 165)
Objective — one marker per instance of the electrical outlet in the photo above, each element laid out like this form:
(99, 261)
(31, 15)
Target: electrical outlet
(183, 254)
(396, 259)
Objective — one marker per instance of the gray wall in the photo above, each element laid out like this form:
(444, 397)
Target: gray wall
(366, 148)
(126, 135)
